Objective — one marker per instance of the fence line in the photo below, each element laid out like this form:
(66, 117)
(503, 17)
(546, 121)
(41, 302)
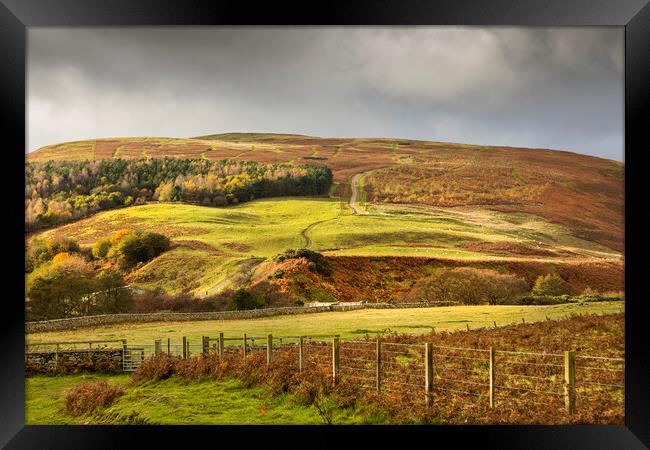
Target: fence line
(388, 365)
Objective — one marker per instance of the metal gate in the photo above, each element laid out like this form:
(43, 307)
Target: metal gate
(134, 355)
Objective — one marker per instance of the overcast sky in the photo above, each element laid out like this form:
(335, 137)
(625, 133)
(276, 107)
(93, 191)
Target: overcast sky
(559, 88)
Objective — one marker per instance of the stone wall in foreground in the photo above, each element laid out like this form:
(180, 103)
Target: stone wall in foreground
(72, 361)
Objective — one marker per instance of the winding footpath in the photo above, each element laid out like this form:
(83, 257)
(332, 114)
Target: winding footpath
(308, 241)
(354, 186)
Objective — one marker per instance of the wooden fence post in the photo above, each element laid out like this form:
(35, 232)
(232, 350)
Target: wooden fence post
(56, 357)
(244, 346)
(428, 372)
(205, 345)
(220, 344)
(300, 355)
(492, 379)
(185, 352)
(570, 381)
(157, 347)
(269, 348)
(335, 359)
(169, 347)
(378, 365)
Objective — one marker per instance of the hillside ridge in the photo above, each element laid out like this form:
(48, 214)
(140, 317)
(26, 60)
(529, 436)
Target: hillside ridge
(252, 136)
(582, 192)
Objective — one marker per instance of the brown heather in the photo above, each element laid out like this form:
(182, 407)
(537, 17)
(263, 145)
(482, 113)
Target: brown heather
(89, 398)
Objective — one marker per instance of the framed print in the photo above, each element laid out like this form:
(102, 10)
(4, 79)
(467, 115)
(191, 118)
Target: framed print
(419, 214)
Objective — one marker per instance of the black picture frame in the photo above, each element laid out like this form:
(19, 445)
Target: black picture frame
(17, 15)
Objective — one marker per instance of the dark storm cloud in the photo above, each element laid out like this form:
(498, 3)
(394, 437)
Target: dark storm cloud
(553, 88)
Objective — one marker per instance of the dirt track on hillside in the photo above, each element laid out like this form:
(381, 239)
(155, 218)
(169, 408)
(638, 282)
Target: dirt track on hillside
(353, 197)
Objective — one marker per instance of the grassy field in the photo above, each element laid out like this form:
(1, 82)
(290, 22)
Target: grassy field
(174, 401)
(348, 324)
(213, 245)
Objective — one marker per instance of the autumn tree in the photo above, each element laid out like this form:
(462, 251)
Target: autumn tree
(549, 284)
(112, 296)
(60, 288)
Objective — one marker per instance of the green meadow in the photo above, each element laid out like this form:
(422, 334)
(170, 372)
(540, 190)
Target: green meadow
(174, 402)
(216, 246)
(349, 324)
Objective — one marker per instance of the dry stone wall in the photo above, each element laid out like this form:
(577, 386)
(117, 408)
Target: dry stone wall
(71, 361)
(112, 319)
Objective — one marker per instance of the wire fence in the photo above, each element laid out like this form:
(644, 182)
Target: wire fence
(413, 370)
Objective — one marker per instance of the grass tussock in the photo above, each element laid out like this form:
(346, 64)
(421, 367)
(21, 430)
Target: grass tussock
(91, 398)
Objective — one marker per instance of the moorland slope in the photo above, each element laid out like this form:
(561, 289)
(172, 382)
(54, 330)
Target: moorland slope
(396, 207)
(583, 193)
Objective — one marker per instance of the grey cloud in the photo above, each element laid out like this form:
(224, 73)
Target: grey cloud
(552, 88)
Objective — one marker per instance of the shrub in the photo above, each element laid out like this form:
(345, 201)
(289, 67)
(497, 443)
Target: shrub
(611, 297)
(139, 246)
(549, 284)
(40, 251)
(317, 262)
(62, 244)
(101, 248)
(156, 368)
(88, 398)
(558, 299)
(545, 300)
(243, 299)
(60, 257)
(277, 274)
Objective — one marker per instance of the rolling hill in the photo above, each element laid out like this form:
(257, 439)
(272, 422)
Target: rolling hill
(583, 193)
(397, 209)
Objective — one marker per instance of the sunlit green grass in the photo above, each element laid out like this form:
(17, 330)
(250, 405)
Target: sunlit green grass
(429, 252)
(44, 396)
(174, 401)
(346, 324)
(229, 236)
